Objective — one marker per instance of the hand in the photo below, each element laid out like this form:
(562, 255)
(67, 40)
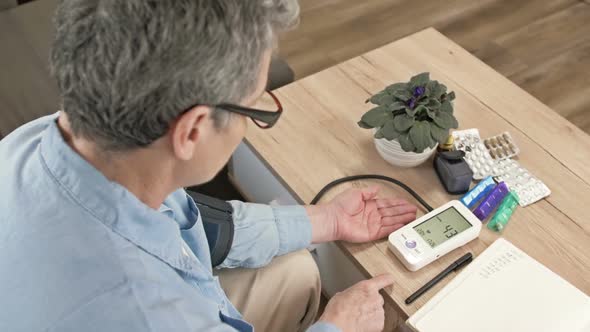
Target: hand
(359, 308)
(359, 216)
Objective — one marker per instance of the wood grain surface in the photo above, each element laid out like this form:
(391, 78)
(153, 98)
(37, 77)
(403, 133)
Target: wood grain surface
(317, 140)
(541, 45)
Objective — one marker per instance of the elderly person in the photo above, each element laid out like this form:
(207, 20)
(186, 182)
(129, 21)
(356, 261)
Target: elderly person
(96, 232)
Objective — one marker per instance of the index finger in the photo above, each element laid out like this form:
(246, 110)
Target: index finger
(381, 281)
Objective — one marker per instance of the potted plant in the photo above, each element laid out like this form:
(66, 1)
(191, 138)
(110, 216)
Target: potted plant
(410, 119)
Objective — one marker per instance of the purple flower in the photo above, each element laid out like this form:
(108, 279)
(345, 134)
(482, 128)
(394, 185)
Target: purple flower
(419, 91)
(412, 103)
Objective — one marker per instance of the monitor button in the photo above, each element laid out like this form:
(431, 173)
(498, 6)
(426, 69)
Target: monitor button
(410, 244)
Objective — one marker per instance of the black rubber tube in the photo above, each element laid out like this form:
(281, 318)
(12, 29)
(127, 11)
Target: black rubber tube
(371, 176)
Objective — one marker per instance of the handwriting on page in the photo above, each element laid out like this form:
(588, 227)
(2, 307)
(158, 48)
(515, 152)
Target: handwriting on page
(500, 262)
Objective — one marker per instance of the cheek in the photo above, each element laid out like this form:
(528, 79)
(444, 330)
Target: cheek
(239, 130)
(234, 135)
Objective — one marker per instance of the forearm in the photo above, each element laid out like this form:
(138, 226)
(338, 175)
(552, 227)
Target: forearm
(262, 232)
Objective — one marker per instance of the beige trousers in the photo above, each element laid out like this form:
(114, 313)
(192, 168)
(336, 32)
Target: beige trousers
(282, 296)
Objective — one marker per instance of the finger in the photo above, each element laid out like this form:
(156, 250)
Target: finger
(386, 230)
(399, 219)
(389, 202)
(370, 193)
(380, 281)
(397, 210)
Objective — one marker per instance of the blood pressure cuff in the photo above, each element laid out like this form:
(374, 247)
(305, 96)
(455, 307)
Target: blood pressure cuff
(217, 217)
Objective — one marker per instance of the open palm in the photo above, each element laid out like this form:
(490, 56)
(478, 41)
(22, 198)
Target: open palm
(361, 217)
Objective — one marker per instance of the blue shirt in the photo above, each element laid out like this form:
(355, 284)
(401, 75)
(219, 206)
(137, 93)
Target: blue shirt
(81, 253)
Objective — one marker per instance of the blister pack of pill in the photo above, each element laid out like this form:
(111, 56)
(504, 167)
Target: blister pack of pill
(522, 182)
(477, 155)
(501, 146)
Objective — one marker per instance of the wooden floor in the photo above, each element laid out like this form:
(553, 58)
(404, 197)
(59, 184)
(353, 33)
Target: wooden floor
(541, 45)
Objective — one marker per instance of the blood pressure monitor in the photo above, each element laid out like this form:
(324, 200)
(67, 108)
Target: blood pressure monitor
(433, 235)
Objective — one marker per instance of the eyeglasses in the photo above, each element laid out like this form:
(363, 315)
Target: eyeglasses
(263, 119)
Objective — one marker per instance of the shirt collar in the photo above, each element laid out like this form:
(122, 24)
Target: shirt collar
(112, 204)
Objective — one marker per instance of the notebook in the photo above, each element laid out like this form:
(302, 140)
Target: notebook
(504, 289)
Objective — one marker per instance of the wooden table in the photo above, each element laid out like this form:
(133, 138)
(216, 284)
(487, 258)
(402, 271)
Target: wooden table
(317, 140)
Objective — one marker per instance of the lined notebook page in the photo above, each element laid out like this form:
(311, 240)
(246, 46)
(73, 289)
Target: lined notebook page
(505, 290)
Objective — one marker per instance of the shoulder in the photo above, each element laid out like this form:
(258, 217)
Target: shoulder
(25, 138)
(24, 181)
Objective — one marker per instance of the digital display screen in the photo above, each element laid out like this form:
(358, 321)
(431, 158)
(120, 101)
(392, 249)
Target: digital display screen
(442, 227)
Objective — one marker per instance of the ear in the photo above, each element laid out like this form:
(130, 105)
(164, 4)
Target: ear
(188, 130)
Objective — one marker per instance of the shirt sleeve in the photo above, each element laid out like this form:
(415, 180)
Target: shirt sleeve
(263, 232)
(323, 327)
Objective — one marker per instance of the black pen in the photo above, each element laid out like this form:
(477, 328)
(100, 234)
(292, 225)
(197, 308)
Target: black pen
(459, 263)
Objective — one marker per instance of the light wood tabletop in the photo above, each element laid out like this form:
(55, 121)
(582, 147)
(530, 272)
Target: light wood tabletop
(317, 140)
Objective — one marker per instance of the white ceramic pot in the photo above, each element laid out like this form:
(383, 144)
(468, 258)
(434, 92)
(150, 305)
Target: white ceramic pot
(393, 153)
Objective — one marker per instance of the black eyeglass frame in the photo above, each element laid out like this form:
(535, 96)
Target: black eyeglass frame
(267, 118)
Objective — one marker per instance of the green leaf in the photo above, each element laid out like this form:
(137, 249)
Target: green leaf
(377, 116)
(396, 87)
(364, 125)
(439, 134)
(433, 104)
(403, 122)
(379, 134)
(420, 109)
(439, 91)
(406, 143)
(432, 113)
(399, 112)
(397, 105)
(431, 88)
(389, 131)
(420, 136)
(403, 95)
(420, 79)
(451, 95)
(446, 120)
(446, 107)
(382, 98)
(432, 143)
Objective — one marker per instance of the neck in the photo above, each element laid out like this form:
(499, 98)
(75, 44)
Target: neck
(141, 171)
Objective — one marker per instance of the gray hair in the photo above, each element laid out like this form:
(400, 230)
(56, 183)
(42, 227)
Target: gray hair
(127, 68)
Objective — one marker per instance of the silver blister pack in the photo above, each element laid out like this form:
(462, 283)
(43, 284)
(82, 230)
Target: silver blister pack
(518, 179)
(477, 155)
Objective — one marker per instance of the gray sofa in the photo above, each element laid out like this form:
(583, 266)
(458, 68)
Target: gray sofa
(7, 4)
(26, 89)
